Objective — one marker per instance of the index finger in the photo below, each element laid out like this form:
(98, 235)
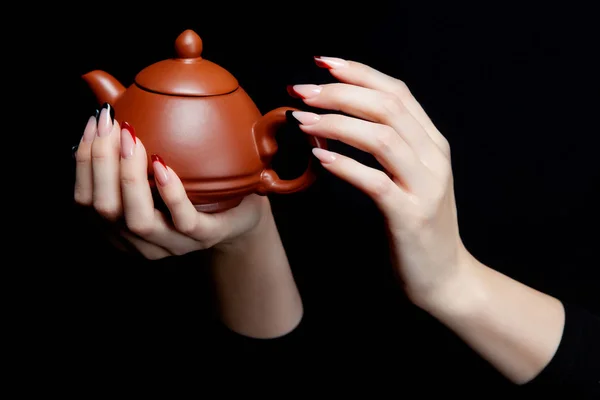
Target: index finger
(83, 159)
(138, 205)
(358, 74)
(186, 218)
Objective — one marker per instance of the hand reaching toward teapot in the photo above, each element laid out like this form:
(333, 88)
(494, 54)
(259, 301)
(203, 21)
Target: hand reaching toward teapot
(414, 190)
(516, 328)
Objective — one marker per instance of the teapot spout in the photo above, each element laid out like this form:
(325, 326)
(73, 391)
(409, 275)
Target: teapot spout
(104, 86)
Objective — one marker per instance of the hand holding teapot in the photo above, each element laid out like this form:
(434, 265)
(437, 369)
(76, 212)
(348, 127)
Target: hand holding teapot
(197, 117)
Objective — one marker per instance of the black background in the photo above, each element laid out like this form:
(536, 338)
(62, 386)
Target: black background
(515, 91)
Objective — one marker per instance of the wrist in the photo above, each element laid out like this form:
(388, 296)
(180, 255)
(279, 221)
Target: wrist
(462, 294)
(264, 222)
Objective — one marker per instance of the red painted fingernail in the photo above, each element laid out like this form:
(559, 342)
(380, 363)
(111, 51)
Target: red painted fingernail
(156, 157)
(292, 92)
(127, 140)
(330, 62)
(127, 125)
(161, 173)
(321, 63)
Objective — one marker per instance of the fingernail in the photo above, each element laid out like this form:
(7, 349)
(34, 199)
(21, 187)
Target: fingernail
(303, 91)
(127, 125)
(160, 170)
(106, 120)
(330, 62)
(128, 140)
(90, 129)
(302, 117)
(325, 156)
(107, 106)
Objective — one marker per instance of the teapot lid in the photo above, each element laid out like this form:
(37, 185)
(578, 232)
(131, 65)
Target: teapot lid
(188, 74)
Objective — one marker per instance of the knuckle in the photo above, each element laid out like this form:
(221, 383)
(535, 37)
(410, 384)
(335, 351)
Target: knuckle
(107, 209)
(401, 90)
(391, 104)
(380, 185)
(445, 146)
(128, 179)
(185, 226)
(142, 227)
(82, 157)
(82, 196)
(99, 155)
(100, 151)
(384, 140)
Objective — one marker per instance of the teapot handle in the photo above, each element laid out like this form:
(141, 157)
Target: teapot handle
(265, 130)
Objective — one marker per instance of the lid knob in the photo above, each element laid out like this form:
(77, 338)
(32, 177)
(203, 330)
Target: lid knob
(188, 44)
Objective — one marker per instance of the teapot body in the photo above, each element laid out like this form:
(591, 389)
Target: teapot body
(207, 140)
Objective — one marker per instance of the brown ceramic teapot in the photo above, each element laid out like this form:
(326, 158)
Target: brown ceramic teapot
(194, 114)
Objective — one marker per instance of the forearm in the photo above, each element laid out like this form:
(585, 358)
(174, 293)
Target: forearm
(256, 292)
(514, 327)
